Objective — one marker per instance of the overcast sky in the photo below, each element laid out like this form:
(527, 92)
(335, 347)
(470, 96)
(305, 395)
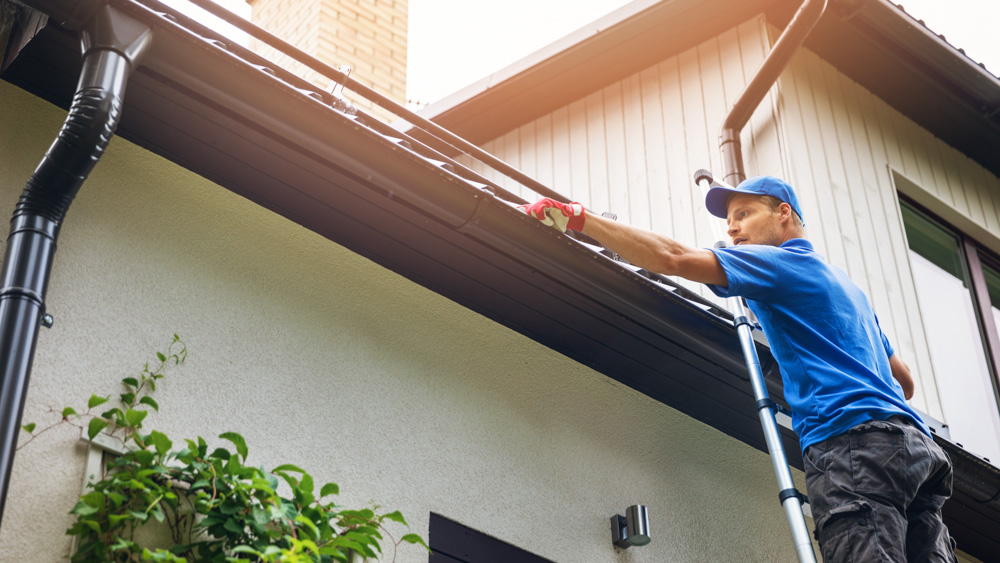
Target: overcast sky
(453, 43)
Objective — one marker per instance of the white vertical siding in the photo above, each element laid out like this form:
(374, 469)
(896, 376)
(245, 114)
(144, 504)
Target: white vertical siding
(843, 145)
(632, 147)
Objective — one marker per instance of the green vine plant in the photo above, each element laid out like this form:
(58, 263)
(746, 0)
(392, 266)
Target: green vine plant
(216, 508)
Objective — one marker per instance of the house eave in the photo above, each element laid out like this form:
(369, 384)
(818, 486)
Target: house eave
(915, 71)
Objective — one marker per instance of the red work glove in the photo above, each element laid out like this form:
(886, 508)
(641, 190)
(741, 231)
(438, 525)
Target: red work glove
(557, 215)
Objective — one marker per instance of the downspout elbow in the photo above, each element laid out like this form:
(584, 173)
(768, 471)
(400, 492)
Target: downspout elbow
(112, 47)
(802, 23)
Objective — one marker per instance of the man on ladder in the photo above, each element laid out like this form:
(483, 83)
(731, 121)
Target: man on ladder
(875, 478)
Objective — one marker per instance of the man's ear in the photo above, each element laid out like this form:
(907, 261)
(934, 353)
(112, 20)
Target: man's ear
(785, 210)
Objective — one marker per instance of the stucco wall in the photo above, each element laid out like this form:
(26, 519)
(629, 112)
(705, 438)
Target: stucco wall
(326, 360)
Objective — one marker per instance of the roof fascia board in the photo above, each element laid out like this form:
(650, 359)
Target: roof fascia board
(936, 54)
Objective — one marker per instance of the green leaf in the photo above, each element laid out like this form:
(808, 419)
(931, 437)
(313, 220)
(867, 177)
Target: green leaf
(160, 442)
(93, 499)
(329, 489)
(158, 513)
(308, 524)
(147, 400)
(95, 401)
(238, 441)
(116, 519)
(161, 357)
(95, 427)
(83, 509)
(131, 381)
(307, 485)
(135, 417)
(396, 517)
(68, 412)
(233, 526)
(144, 457)
(288, 467)
(29, 427)
(127, 398)
(414, 538)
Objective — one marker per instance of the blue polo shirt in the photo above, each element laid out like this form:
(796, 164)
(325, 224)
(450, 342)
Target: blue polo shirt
(833, 357)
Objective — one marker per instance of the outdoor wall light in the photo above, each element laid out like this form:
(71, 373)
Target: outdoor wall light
(631, 529)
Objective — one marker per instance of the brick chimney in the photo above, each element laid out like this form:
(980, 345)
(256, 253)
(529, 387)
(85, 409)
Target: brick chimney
(367, 35)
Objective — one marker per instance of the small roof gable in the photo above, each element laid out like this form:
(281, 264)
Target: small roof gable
(873, 42)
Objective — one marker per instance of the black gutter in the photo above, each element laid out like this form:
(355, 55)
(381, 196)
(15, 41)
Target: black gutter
(804, 20)
(112, 46)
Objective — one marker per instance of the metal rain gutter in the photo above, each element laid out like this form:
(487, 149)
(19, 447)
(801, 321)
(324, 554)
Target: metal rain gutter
(802, 23)
(442, 134)
(112, 45)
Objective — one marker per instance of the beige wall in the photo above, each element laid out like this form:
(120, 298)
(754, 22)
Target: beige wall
(368, 35)
(326, 360)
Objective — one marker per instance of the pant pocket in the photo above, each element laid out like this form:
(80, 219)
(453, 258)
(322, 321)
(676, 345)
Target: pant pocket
(848, 534)
(878, 461)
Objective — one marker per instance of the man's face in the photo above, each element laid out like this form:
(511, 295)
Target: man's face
(752, 221)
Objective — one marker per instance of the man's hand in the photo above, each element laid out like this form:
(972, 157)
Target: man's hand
(901, 373)
(557, 215)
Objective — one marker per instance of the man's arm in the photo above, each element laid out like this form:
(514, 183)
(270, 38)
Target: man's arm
(656, 253)
(901, 373)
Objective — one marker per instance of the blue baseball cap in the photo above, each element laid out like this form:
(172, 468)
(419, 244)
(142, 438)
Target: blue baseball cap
(717, 198)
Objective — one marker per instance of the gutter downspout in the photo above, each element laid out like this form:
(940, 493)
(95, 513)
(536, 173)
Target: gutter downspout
(112, 45)
(795, 34)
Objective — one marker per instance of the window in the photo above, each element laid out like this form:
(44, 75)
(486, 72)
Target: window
(451, 542)
(958, 287)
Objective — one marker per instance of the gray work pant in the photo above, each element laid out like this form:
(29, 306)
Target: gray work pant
(876, 494)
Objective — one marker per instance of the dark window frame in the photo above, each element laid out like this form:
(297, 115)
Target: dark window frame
(973, 255)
